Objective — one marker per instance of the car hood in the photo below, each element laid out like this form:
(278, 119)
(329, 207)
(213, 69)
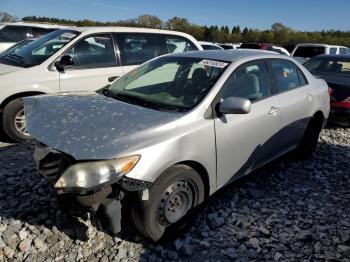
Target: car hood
(5, 69)
(93, 126)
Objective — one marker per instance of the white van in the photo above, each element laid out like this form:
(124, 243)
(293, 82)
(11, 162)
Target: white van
(311, 50)
(12, 33)
(77, 59)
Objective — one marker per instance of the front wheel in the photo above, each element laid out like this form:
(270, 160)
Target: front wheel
(173, 204)
(14, 122)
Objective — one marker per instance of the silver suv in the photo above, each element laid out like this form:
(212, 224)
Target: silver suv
(170, 133)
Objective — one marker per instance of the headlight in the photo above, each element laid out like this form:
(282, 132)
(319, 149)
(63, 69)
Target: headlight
(84, 176)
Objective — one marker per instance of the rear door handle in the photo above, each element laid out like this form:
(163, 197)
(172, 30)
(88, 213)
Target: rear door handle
(309, 97)
(274, 110)
(112, 78)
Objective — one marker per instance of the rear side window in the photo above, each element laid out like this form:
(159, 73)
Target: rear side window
(309, 51)
(13, 34)
(38, 32)
(96, 51)
(178, 44)
(287, 75)
(136, 48)
(227, 47)
(211, 47)
(333, 51)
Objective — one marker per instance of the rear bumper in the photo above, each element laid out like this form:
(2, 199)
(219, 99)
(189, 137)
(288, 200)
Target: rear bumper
(340, 111)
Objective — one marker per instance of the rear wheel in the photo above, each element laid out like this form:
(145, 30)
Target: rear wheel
(14, 122)
(173, 204)
(310, 139)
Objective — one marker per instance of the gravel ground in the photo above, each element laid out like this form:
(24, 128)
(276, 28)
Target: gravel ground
(287, 211)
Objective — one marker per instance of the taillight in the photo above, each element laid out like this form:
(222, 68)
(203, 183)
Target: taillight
(330, 90)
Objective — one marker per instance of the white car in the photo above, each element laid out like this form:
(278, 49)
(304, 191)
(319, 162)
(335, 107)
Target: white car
(311, 50)
(12, 33)
(77, 59)
(229, 45)
(210, 46)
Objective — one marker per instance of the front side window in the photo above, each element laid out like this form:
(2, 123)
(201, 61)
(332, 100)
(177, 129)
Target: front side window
(178, 44)
(249, 81)
(170, 83)
(344, 51)
(13, 34)
(96, 51)
(39, 50)
(136, 48)
(286, 75)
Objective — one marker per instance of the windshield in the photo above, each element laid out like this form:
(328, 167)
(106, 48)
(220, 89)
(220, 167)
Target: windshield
(169, 83)
(333, 65)
(39, 50)
(13, 49)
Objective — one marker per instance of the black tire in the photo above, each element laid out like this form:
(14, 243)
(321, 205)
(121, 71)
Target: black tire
(148, 215)
(309, 140)
(8, 121)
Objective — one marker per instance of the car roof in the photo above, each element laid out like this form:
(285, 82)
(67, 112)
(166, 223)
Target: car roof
(229, 55)
(92, 29)
(333, 56)
(320, 45)
(41, 25)
(207, 43)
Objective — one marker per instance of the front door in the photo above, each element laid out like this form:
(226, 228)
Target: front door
(246, 140)
(95, 65)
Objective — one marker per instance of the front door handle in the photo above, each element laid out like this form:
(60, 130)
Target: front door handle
(274, 110)
(309, 97)
(112, 78)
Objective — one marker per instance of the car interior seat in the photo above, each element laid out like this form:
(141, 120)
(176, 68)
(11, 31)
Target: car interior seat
(244, 85)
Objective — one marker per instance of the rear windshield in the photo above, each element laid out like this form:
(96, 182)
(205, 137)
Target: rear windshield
(211, 47)
(309, 51)
(250, 46)
(332, 65)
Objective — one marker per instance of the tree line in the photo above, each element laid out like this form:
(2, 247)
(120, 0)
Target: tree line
(277, 34)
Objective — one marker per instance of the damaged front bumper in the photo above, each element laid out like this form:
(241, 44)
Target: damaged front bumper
(96, 187)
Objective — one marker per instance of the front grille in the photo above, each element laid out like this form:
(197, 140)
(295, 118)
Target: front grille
(50, 163)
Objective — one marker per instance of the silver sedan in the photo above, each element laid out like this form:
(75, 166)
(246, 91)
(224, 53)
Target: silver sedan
(166, 136)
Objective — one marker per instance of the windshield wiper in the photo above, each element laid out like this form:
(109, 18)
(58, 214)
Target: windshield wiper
(130, 98)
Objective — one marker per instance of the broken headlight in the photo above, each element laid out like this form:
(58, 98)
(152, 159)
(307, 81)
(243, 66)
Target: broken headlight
(85, 176)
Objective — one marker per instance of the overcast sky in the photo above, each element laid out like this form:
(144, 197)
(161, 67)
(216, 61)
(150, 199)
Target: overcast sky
(298, 14)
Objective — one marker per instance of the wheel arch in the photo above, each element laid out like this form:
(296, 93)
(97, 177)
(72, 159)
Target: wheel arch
(201, 171)
(319, 118)
(19, 95)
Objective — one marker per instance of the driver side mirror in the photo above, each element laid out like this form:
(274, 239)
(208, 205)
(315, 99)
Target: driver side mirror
(235, 105)
(65, 60)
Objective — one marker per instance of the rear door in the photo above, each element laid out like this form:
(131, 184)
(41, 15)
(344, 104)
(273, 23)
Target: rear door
(294, 101)
(246, 140)
(95, 64)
